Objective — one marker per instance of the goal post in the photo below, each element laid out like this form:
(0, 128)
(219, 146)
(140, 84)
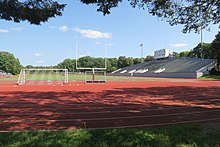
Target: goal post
(43, 76)
(93, 76)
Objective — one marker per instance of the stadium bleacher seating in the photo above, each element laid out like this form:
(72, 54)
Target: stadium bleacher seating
(168, 66)
(3, 73)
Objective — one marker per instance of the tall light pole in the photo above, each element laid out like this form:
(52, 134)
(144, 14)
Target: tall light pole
(201, 44)
(141, 45)
(201, 19)
(106, 45)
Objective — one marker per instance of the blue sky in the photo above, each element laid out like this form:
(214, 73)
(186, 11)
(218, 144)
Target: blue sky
(122, 32)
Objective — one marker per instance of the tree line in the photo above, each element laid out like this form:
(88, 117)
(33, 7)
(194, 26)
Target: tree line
(10, 64)
(92, 62)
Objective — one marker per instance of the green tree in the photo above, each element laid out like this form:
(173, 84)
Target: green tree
(99, 62)
(137, 60)
(86, 61)
(67, 64)
(215, 47)
(34, 11)
(123, 61)
(192, 14)
(175, 54)
(112, 64)
(9, 63)
(148, 58)
(29, 66)
(203, 51)
(184, 54)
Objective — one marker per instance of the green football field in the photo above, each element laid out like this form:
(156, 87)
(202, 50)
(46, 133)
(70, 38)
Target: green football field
(59, 77)
(82, 77)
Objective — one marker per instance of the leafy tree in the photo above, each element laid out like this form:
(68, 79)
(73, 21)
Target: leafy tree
(137, 60)
(148, 58)
(9, 63)
(29, 66)
(193, 14)
(123, 61)
(99, 62)
(112, 64)
(67, 64)
(199, 51)
(175, 54)
(34, 11)
(215, 47)
(183, 54)
(86, 61)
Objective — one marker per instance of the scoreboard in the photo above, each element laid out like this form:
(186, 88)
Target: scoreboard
(162, 53)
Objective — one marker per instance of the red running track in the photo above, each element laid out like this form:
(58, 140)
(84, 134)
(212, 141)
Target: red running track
(111, 105)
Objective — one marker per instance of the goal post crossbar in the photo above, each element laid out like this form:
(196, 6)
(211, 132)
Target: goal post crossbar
(95, 76)
(42, 69)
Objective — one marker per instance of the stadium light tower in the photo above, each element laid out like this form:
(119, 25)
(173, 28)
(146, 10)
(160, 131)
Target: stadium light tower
(201, 44)
(201, 37)
(141, 45)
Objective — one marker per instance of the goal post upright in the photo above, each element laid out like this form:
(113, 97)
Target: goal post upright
(21, 78)
(66, 76)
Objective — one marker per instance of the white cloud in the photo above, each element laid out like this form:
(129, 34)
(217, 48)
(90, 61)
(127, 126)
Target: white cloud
(64, 28)
(37, 54)
(4, 31)
(40, 61)
(98, 43)
(92, 34)
(18, 29)
(178, 45)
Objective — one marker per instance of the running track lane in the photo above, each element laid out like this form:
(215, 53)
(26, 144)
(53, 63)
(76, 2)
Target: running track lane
(114, 105)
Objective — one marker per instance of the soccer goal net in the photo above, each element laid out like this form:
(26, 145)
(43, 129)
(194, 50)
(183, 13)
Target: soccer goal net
(95, 77)
(42, 76)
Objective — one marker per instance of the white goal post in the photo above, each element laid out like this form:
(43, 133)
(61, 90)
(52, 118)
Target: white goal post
(43, 75)
(95, 76)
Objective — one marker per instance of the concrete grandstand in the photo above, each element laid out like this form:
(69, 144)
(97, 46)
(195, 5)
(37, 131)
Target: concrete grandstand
(3, 73)
(169, 67)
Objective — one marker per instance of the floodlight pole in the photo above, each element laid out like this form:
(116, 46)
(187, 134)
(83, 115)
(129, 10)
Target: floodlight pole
(105, 56)
(76, 55)
(201, 44)
(201, 34)
(141, 45)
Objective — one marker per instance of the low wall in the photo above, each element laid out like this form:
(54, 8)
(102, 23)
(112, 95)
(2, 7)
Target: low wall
(162, 75)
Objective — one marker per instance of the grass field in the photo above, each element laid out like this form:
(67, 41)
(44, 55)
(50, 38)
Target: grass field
(210, 77)
(81, 77)
(179, 136)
